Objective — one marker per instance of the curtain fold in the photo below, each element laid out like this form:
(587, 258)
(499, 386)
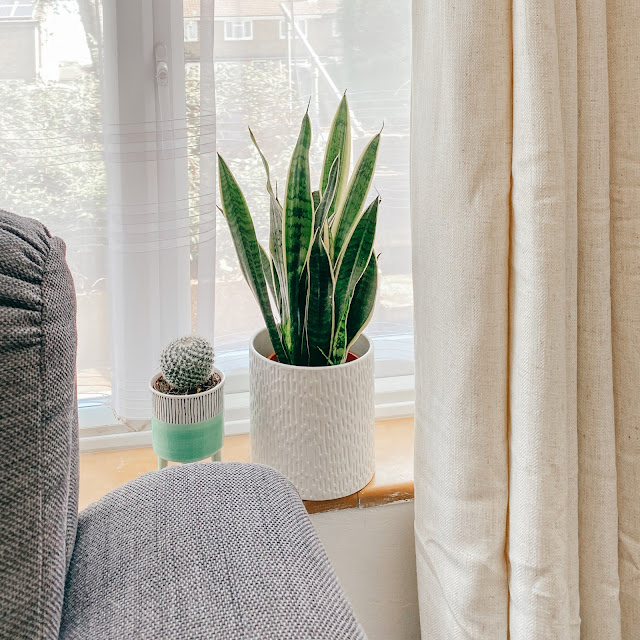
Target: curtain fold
(160, 157)
(526, 240)
(623, 27)
(460, 185)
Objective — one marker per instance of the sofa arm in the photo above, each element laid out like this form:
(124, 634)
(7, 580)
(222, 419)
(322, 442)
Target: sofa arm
(206, 550)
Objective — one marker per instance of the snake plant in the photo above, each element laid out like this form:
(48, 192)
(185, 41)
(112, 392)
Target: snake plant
(316, 283)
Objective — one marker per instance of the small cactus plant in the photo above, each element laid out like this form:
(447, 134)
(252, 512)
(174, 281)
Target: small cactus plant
(187, 362)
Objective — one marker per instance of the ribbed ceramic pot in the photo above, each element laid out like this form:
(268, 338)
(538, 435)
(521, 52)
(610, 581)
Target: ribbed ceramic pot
(187, 428)
(314, 424)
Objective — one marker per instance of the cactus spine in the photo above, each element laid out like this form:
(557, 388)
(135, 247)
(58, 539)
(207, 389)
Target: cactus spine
(187, 362)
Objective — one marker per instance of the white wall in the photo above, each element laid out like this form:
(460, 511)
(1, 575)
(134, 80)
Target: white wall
(372, 551)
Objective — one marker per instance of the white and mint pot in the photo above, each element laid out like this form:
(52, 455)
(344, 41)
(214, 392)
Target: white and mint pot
(187, 428)
(314, 424)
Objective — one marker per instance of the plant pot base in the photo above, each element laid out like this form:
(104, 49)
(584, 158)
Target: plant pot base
(314, 424)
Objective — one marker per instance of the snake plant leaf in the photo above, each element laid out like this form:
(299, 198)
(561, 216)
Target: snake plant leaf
(267, 269)
(246, 244)
(320, 303)
(264, 162)
(338, 146)
(349, 211)
(276, 247)
(338, 353)
(303, 309)
(298, 225)
(316, 280)
(324, 206)
(353, 315)
(319, 280)
(363, 302)
(354, 260)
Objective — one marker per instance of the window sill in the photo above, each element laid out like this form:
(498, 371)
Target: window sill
(101, 431)
(393, 482)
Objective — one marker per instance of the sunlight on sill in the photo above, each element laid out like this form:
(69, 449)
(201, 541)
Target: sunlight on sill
(393, 482)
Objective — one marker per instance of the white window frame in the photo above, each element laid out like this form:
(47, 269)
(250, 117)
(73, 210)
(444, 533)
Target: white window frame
(301, 23)
(191, 30)
(231, 27)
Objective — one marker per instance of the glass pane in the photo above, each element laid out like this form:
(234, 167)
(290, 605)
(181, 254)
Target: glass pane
(23, 11)
(51, 165)
(362, 46)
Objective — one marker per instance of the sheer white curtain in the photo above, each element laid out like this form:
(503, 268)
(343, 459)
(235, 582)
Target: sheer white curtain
(107, 136)
(159, 220)
(526, 235)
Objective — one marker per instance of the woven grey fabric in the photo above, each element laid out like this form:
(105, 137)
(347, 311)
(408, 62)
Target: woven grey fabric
(38, 428)
(203, 551)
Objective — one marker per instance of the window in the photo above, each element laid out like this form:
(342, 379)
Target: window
(115, 170)
(262, 87)
(301, 23)
(16, 9)
(57, 173)
(191, 31)
(238, 30)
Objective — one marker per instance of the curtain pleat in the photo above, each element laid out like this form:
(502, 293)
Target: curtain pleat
(527, 317)
(598, 511)
(461, 159)
(623, 31)
(543, 464)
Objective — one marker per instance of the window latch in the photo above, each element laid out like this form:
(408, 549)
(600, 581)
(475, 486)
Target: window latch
(162, 68)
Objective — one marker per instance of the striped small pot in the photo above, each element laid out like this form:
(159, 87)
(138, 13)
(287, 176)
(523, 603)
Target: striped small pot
(187, 428)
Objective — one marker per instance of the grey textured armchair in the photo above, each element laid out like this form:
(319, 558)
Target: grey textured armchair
(197, 551)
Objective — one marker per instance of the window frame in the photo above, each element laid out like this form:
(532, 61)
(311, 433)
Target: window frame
(301, 23)
(194, 24)
(232, 37)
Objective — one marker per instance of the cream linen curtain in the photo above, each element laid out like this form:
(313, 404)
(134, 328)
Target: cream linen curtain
(526, 242)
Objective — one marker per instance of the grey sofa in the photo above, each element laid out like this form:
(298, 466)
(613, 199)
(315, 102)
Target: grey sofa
(196, 551)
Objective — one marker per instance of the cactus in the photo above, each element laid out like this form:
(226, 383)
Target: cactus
(187, 362)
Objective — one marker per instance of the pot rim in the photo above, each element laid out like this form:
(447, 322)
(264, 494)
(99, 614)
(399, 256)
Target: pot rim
(327, 367)
(170, 396)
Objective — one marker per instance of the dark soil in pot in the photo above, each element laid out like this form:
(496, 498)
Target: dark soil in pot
(163, 386)
(350, 357)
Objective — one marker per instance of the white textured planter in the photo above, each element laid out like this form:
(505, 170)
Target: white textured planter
(314, 424)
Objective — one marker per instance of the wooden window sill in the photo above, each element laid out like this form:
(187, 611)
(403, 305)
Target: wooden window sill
(104, 471)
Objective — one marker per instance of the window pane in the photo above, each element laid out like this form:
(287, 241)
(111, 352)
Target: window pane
(51, 161)
(362, 46)
(23, 11)
(191, 31)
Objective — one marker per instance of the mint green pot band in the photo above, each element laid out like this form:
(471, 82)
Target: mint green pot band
(187, 442)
